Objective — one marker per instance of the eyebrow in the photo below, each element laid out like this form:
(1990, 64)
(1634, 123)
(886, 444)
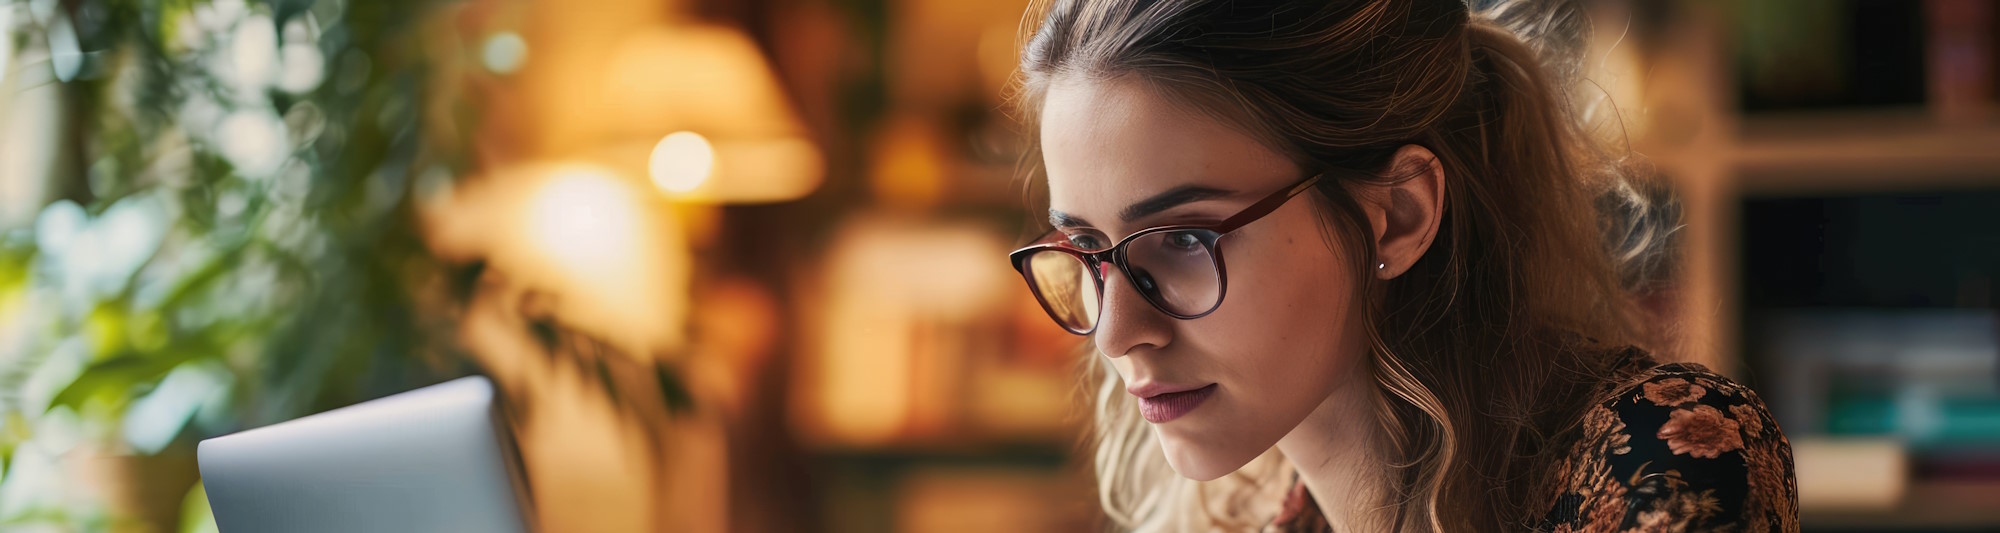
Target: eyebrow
(1170, 199)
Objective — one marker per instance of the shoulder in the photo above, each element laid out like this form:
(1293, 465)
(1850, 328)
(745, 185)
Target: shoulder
(1678, 447)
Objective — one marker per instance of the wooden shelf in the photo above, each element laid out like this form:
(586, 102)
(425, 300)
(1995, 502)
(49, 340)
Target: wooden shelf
(1951, 505)
(1856, 151)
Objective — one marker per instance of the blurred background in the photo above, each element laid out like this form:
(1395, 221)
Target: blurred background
(740, 265)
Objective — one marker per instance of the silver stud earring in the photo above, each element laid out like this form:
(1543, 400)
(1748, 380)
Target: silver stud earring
(1380, 266)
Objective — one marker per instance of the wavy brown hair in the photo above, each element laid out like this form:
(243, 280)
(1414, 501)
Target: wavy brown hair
(1486, 351)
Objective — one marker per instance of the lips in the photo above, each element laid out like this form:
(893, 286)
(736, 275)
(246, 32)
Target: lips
(1161, 407)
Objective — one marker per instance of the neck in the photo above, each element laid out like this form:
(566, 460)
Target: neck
(1340, 454)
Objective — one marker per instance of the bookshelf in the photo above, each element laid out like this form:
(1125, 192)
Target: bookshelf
(1721, 157)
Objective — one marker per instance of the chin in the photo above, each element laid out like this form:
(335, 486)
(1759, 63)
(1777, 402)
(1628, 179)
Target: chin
(1194, 461)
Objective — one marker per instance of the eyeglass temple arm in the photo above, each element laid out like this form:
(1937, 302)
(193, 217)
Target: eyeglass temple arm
(1267, 205)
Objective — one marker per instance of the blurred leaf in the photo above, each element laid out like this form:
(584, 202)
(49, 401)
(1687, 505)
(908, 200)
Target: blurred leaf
(673, 391)
(118, 377)
(464, 280)
(14, 261)
(154, 420)
(196, 515)
(106, 327)
(606, 381)
(546, 333)
(201, 278)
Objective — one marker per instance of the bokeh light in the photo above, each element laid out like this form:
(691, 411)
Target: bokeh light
(682, 161)
(504, 52)
(586, 220)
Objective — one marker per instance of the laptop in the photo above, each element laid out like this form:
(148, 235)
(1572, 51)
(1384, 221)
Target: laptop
(435, 459)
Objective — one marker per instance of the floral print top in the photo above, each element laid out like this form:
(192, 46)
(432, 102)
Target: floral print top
(1673, 447)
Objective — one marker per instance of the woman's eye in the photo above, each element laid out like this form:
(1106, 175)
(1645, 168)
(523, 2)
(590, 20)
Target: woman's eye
(1085, 242)
(1183, 241)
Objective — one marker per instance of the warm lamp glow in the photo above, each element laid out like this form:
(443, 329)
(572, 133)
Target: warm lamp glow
(682, 161)
(689, 78)
(603, 244)
(586, 222)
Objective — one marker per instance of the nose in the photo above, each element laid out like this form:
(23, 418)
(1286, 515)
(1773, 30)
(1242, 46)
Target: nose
(1127, 322)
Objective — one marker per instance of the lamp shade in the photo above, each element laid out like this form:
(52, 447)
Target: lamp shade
(698, 110)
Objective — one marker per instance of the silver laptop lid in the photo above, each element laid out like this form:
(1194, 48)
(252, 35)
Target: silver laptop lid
(429, 460)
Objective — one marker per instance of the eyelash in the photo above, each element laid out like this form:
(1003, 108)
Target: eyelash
(1073, 238)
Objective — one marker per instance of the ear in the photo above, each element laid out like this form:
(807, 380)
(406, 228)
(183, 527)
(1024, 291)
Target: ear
(1404, 215)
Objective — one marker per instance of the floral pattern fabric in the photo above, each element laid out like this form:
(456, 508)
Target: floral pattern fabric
(1674, 447)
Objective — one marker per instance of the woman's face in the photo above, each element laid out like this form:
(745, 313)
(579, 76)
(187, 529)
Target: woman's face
(1286, 336)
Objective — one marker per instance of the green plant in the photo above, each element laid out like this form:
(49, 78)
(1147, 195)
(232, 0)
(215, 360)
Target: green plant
(232, 242)
(233, 237)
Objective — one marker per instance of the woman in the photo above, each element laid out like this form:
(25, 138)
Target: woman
(1363, 235)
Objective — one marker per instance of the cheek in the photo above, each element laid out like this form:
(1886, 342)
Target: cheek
(1290, 296)
(1286, 319)
(1287, 336)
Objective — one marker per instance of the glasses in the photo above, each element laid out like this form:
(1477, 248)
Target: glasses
(1177, 268)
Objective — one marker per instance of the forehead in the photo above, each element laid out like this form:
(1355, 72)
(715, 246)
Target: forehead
(1108, 143)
